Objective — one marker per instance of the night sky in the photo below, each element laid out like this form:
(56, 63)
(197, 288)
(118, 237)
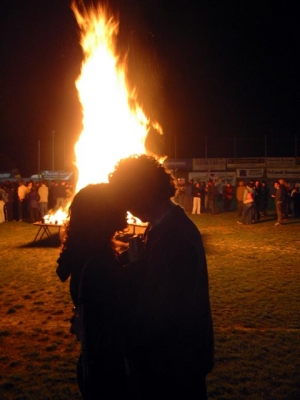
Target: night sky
(218, 70)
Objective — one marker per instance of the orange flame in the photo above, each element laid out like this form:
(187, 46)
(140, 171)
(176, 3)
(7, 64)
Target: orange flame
(112, 129)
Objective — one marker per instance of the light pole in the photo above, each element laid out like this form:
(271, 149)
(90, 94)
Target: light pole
(53, 133)
(39, 159)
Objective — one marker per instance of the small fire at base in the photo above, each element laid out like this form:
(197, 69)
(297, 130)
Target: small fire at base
(59, 217)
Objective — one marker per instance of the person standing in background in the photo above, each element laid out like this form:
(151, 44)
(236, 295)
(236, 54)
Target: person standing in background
(227, 197)
(295, 195)
(248, 200)
(188, 198)
(43, 192)
(2, 204)
(22, 192)
(212, 194)
(196, 199)
(181, 193)
(257, 201)
(265, 194)
(33, 199)
(279, 197)
(61, 195)
(239, 197)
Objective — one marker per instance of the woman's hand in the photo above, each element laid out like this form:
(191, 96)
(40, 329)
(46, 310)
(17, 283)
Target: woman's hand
(136, 250)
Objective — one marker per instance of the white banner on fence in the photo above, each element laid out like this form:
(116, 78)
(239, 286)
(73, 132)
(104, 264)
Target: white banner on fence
(216, 177)
(281, 162)
(278, 173)
(250, 173)
(209, 164)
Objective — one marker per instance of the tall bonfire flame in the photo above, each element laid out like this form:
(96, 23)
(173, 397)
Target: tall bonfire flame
(114, 125)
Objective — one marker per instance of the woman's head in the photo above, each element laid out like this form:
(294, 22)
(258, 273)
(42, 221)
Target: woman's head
(95, 216)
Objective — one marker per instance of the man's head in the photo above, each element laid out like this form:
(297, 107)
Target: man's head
(141, 183)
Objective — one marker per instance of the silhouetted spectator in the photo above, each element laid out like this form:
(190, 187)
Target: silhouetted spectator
(257, 201)
(265, 194)
(227, 197)
(43, 192)
(33, 199)
(9, 205)
(22, 192)
(60, 195)
(2, 204)
(196, 199)
(239, 197)
(296, 200)
(188, 198)
(212, 193)
(248, 200)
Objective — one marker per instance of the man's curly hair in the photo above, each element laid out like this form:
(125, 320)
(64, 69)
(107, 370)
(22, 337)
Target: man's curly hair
(141, 178)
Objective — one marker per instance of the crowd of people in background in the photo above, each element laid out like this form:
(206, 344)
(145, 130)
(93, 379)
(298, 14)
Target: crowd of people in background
(200, 197)
(251, 199)
(30, 201)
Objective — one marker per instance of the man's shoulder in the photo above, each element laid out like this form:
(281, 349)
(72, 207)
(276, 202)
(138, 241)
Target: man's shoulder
(180, 224)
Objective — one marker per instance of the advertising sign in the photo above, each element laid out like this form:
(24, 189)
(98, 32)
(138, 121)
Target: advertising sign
(281, 162)
(250, 173)
(209, 164)
(5, 175)
(216, 177)
(56, 175)
(284, 173)
(10, 175)
(250, 162)
(175, 164)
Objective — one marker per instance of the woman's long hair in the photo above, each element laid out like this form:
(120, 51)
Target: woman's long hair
(94, 219)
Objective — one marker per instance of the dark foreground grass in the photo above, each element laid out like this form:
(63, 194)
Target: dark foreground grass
(255, 297)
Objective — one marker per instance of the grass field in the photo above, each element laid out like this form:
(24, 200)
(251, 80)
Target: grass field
(254, 273)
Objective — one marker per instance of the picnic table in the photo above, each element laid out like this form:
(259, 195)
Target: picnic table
(44, 229)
